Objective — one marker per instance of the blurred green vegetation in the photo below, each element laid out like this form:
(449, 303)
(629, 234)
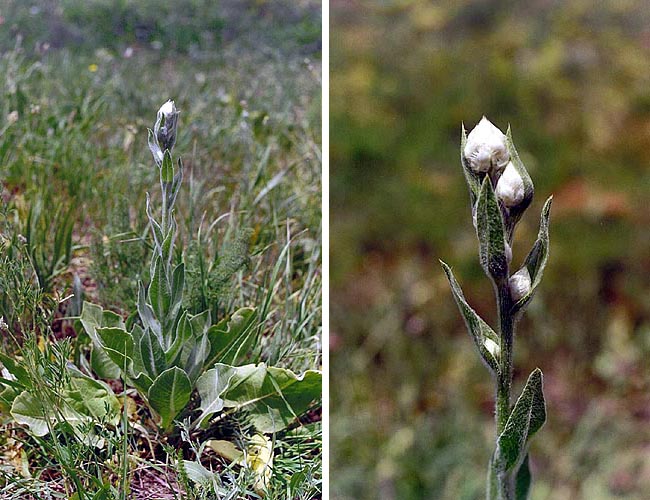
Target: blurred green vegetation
(411, 404)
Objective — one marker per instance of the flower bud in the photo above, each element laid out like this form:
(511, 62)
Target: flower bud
(486, 147)
(510, 187)
(166, 124)
(492, 347)
(519, 284)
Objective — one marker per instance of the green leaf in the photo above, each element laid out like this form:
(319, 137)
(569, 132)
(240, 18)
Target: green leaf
(210, 386)
(146, 313)
(85, 400)
(167, 168)
(522, 481)
(169, 394)
(16, 370)
(93, 398)
(178, 282)
(197, 357)
(151, 354)
(93, 317)
(182, 335)
(159, 290)
(536, 260)
(515, 213)
(273, 397)
(478, 329)
(526, 418)
(473, 180)
(28, 410)
(230, 340)
(118, 345)
(491, 233)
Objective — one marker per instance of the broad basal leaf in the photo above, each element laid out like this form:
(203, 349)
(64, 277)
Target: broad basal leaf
(491, 233)
(485, 339)
(169, 394)
(526, 418)
(230, 340)
(93, 317)
(118, 345)
(210, 386)
(152, 355)
(273, 397)
(85, 400)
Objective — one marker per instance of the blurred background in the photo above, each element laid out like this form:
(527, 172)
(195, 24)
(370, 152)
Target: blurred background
(411, 403)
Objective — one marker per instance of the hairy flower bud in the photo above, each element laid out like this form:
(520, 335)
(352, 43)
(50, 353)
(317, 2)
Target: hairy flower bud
(510, 187)
(519, 284)
(486, 147)
(166, 124)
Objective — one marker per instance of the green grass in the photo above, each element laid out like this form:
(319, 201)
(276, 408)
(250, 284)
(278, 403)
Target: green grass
(73, 137)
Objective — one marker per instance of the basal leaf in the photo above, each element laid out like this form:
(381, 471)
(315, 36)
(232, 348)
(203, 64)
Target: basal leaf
(146, 313)
(197, 357)
(491, 233)
(210, 386)
(230, 340)
(159, 291)
(15, 369)
(151, 354)
(273, 397)
(536, 260)
(169, 394)
(118, 345)
(93, 317)
(526, 418)
(182, 335)
(478, 329)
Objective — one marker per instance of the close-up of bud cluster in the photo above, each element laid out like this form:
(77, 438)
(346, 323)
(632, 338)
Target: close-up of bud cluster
(500, 192)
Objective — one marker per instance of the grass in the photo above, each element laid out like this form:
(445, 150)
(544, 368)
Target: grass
(247, 84)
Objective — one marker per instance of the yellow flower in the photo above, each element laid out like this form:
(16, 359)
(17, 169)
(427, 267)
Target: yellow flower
(92, 68)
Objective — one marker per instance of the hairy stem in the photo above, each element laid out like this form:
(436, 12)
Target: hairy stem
(504, 377)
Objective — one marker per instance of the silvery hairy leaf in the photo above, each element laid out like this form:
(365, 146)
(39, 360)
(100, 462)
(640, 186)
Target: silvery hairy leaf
(538, 256)
(478, 329)
(515, 213)
(526, 418)
(491, 234)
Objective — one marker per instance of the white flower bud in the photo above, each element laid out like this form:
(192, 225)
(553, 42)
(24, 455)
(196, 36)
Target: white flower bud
(167, 109)
(165, 127)
(519, 284)
(510, 187)
(486, 147)
(492, 347)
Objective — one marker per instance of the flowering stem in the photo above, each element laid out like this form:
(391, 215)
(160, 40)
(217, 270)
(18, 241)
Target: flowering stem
(504, 376)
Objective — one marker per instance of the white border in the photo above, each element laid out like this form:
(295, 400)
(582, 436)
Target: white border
(325, 241)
